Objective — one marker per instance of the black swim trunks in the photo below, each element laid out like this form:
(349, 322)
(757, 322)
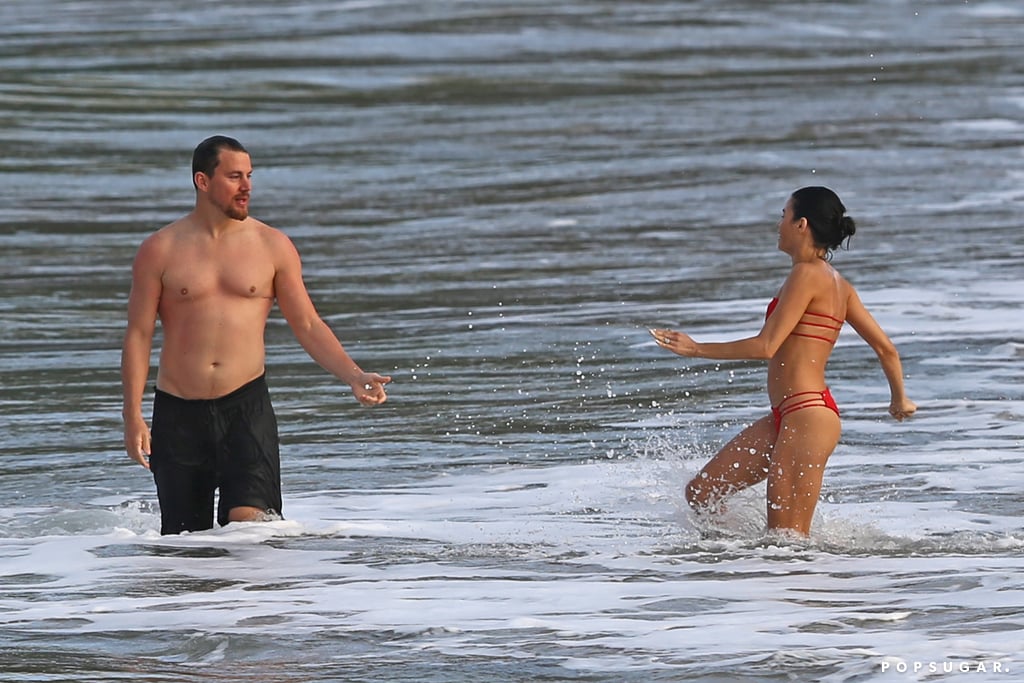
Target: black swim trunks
(228, 443)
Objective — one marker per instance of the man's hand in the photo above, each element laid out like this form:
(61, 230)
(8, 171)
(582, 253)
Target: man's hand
(369, 388)
(137, 440)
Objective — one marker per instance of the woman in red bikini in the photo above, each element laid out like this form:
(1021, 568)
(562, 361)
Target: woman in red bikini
(791, 445)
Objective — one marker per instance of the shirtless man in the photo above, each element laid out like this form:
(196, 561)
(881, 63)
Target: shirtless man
(212, 277)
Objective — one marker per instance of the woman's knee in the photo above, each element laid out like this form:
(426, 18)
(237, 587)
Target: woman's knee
(698, 492)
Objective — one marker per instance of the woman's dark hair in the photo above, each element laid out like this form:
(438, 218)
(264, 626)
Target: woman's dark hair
(207, 154)
(826, 215)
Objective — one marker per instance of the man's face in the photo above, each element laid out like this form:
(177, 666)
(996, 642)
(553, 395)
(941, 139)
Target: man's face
(231, 184)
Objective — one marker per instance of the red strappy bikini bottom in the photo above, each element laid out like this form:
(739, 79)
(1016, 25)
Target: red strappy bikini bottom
(801, 400)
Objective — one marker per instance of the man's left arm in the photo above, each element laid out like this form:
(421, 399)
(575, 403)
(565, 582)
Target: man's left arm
(313, 333)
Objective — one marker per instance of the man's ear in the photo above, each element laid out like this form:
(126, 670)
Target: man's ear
(201, 180)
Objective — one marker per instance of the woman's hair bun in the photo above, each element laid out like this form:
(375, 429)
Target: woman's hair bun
(847, 227)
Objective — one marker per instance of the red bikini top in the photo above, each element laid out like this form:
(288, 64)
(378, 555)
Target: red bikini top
(817, 320)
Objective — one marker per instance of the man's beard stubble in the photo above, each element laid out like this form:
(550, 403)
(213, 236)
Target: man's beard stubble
(234, 212)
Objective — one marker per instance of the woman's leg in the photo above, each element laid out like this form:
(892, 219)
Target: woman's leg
(741, 463)
(806, 440)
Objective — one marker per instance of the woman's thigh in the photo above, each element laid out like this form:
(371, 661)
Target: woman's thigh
(741, 463)
(806, 440)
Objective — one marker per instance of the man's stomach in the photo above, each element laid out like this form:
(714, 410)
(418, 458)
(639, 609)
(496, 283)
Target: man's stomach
(206, 376)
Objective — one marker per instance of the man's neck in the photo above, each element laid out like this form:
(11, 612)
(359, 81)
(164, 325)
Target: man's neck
(213, 222)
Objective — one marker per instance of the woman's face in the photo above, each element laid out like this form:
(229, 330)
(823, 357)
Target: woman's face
(787, 226)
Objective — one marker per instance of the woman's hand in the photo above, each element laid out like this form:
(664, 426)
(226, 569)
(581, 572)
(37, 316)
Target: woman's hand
(676, 342)
(902, 408)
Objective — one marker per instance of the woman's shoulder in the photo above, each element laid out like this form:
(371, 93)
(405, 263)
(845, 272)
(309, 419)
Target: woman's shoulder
(815, 274)
(820, 283)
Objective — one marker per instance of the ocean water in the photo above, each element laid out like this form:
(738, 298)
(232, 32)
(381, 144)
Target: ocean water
(493, 201)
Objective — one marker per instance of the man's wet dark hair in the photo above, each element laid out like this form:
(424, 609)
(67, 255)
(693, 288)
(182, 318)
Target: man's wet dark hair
(207, 154)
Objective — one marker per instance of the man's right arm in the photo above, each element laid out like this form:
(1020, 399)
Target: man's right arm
(143, 302)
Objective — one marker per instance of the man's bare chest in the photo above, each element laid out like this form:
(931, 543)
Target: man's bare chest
(196, 278)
